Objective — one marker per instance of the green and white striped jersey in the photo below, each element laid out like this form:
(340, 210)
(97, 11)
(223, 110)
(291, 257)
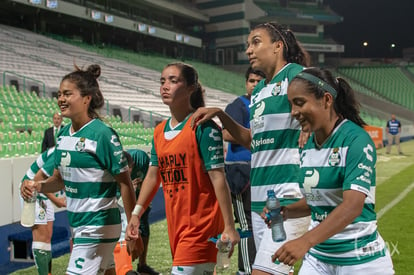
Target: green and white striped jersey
(346, 161)
(274, 147)
(87, 161)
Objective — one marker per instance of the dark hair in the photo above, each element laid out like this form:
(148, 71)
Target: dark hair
(345, 103)
(86, 82)
(191, 78)
(250, 70)
(293, 52)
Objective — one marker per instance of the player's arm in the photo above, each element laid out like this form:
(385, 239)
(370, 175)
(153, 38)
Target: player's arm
(59, 202)
(296, 210)
(344, 214)
(236, 112)
(228, 137)
(222, 193)
(52, 184)
(240, 134)
(355, 191)
(41, 175)
(209, 136)
(127, 192)
(148, 190)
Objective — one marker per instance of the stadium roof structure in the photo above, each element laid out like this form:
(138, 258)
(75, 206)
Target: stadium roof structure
(209, 30)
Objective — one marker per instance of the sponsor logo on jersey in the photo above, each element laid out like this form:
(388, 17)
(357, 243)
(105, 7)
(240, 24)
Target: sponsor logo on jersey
(259, 109)
(311, 181)
(173, 169)
(213, 136)
(79, 263)
(71, 189)
(364, 167)
(216, 157)
(258, 123)
(65, 159)
(368, 150)
(263, 141)
(334, 158)
(320, 217)
(117, 153)
(215, 148)
(115, 141)
(364, 179)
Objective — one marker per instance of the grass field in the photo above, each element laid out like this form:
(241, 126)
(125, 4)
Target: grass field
(394, 203)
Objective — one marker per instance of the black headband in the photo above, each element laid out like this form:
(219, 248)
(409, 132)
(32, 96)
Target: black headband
(318, 82)
(279, 33)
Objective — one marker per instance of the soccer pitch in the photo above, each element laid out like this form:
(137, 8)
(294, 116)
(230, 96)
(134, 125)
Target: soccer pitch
(394, 203)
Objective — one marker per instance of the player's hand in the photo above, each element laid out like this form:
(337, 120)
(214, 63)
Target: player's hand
(61, 202)
(234, 237)
(136, 183)
(132, 230)
(135, 248)
(203, 114)
(265, 217)
(290, 252)
(303, 138)
(28, 187)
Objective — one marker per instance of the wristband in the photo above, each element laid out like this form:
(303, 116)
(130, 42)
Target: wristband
(137, 210)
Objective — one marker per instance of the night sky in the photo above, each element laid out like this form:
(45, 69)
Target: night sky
(378, 22)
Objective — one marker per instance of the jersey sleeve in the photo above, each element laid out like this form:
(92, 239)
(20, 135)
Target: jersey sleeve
(49, 165)
(210, 145)
(109, 152)
(360, 165)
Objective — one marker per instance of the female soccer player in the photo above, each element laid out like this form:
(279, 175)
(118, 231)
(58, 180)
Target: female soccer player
(90, 165)
(338, 181)
(273, 135)
(190, 165)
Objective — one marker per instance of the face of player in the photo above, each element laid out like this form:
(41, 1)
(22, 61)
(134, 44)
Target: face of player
(252, 82)
(70, 101)
(312, 113)
(174, 90)
(261, 51)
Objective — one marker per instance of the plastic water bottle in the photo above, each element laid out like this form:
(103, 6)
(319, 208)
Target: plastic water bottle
(223, 245)
(27, 218)
(273, 205)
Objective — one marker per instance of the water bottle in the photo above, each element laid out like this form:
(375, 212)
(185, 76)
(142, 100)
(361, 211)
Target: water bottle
(223, 245)
(273, 205)
(27, 218)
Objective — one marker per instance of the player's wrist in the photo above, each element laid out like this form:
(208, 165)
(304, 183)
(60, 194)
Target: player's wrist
(137, 210)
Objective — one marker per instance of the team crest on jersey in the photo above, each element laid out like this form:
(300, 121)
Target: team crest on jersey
(80, 145)
(335, 157)
(42, 214)
(277, 88)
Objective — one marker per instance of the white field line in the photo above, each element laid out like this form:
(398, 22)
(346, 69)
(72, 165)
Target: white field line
(395, 201)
